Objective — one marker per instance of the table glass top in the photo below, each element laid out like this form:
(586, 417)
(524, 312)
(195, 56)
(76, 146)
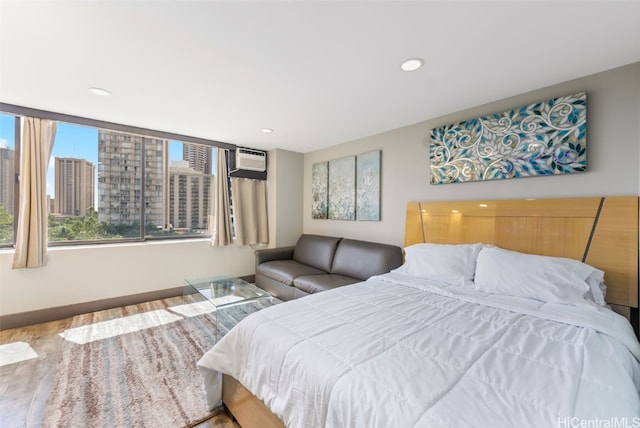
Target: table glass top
(226, 290)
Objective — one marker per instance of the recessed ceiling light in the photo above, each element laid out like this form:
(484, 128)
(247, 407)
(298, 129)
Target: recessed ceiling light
(412, 64)
(266, 130)
(100, 91)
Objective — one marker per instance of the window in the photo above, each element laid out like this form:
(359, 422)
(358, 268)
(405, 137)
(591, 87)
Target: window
(7, 178)
(190, 188)
(105, 185)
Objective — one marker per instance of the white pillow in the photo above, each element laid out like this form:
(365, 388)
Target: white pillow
(544, 278)
(446, 261)
(598, 287)
(592, 276)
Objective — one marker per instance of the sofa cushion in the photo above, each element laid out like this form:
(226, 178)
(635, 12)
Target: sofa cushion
(315, 283)
(285, 271)
(297, 293)
(361, 259)
(316, 251)
(277, 289)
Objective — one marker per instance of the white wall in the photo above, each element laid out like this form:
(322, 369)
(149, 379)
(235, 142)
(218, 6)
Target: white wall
(285, 196)
(87, 273)
(613, 151)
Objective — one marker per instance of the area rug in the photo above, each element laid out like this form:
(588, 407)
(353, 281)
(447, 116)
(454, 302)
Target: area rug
(134, 371)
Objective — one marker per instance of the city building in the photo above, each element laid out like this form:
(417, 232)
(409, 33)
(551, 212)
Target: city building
(189, 197)
(122, 183)
(7, 179)
(74, 186)
(199, 157)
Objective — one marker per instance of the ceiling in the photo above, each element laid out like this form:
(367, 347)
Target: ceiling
(318, 73)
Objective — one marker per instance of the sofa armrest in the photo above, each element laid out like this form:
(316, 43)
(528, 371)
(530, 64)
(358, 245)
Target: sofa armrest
(268, 254)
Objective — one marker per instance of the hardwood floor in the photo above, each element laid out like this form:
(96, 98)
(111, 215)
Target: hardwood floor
(25, 385)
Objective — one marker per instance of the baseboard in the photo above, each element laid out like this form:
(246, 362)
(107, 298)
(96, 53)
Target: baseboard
(52, 314)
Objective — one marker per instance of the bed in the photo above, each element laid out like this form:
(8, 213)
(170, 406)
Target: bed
(497, 318)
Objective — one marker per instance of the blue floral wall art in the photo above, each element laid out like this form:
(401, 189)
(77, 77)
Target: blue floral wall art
(544, 138)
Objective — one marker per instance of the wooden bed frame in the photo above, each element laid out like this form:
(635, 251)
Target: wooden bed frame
(602, 232)
(246, 408)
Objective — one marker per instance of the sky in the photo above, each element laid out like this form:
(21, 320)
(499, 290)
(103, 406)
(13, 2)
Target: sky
(6, 130)
(72, 141)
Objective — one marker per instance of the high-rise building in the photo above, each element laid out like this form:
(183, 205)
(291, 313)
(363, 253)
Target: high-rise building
(199, 157)
(121, 181)
(7, 179)
(74, 186)
(189, 197)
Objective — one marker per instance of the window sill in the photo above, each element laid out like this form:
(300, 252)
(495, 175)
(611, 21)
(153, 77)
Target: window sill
(117, 244)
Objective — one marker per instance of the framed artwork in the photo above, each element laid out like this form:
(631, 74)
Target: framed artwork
(545, 138)
(368, 186)
(320, 190)
(342, 189)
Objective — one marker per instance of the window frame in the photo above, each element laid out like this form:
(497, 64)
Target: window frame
(19, 111)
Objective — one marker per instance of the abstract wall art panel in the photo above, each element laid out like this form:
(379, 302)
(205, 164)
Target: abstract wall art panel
(368, 186)
(320, 189)
(545, 138)
(342, 188)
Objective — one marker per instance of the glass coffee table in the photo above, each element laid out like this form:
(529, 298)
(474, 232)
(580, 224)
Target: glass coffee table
(231, 298)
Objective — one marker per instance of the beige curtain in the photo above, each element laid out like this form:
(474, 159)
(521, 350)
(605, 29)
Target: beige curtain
(250, 211)
(36, 143)
(221, 233)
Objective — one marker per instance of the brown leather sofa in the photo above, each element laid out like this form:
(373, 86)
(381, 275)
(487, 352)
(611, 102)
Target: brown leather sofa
(317, 263)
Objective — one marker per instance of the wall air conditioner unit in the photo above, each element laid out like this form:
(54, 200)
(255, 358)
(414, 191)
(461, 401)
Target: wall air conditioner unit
(251, 160)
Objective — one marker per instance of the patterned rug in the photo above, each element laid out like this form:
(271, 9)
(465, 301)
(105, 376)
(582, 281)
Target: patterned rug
(137, 370)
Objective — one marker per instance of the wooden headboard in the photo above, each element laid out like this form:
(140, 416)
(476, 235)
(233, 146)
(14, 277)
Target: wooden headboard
(602, 232)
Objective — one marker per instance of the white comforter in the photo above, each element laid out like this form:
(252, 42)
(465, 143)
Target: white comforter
(395, 351)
